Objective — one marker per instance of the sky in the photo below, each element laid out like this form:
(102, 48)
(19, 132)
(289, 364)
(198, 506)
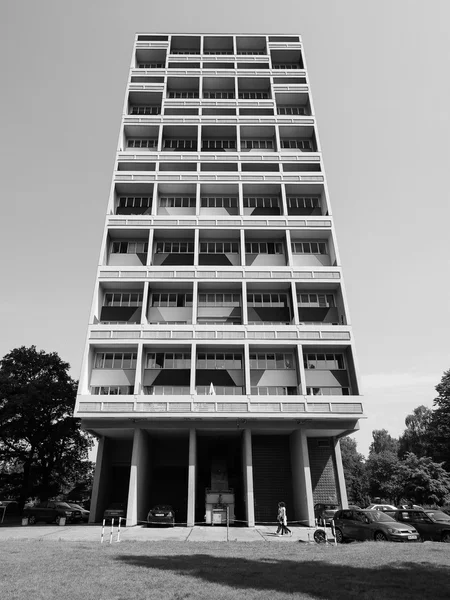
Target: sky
(379, 74)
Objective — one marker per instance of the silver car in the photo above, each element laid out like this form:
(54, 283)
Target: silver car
(371, 525)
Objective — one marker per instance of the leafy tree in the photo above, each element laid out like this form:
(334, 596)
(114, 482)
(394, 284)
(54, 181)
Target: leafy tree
(355, 472)
(417, 436)
(424, 481)
(383, 470)
(40, 441)
(383, 442)
(440, 423)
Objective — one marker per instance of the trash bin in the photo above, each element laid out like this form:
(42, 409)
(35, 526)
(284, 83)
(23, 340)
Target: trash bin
(61, 520)
(25, 521)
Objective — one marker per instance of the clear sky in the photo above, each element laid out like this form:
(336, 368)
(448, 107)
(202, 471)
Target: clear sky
(379, 72)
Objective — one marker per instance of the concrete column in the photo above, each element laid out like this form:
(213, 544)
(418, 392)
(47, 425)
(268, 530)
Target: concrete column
(192, 477)
(102, 481)
(247, 461)
(301, 478)
(340, 479)
(139, 479)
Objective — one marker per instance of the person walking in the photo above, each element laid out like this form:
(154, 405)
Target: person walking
(283, 529)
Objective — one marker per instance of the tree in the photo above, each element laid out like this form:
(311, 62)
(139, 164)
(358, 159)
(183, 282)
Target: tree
(424, 481)
(417, 436)
(40, 441)
(440, 423)
(354, 471)
(383, 470)
(383, 442)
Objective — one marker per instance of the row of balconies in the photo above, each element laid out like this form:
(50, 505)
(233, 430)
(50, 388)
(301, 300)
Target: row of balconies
(290, 248)
(221, 45)
(218, 199)
(237, 303)
(215, 370)
(218, 138)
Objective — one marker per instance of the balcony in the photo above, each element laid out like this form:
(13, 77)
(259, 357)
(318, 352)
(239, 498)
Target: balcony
(176, 200)
(320, 305)
(219, 248)
(140, 138)
(269, 304)
(127, 251)
(297, 138)
(286, 59)
(305, 200)
(170, 250)
(182, 87)
(218, 199)
(219, 372)
(150, 58)
(144, 103)
(258, 139)
(179, 139)
(120, 305)
(293, 104)
(113, 372)
(265, 251)
(218, 305)
(262, 200)
(219, 88)
(329, 371)
(167, 371)
(185, 44)
(250, 45)
(218, 139)
(254, 88)
(170, 304)
(218, 45)
(133, 199)
(273, 372)
(312, 251)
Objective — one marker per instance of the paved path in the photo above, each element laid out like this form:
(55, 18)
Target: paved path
(92, 533)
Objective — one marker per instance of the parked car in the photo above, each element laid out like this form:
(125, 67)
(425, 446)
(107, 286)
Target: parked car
(161, 514)
(84, 512)
(115, 510)
(325, 512)
(381, 507)
(8, 509)
(51, 511)
(428, 527)
(371, 525)
(438, 515)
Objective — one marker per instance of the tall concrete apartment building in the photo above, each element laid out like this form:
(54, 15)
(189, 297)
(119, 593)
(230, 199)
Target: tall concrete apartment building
(219, 370)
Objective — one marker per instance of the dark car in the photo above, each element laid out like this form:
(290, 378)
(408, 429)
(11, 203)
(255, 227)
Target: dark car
(161, 514)
(428, 527)
(437, 515)
(83, 511)
(51, 511)
(324, 513)
(8, 509)
(371, 525)
(115, 511)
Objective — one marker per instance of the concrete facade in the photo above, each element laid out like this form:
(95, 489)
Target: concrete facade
(219, 357)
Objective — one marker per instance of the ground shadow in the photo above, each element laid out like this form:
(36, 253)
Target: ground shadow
(318, 578)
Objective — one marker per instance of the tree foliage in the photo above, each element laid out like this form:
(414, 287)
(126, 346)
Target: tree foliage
(424, 481)
(40, 441)
(355, 472)
(440, 422)
(417, 436)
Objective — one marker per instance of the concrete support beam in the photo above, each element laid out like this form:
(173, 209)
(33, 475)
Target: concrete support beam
(301, 478)
(102, 481)
(139, 479)
(192, 475)
(248, 477)
(340, 479)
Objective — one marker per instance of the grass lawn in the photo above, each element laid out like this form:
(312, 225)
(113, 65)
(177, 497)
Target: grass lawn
(38, 570)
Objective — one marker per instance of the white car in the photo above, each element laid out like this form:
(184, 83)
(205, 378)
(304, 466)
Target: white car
(382, 507)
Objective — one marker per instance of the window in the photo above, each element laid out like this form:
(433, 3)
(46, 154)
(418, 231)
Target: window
(217, 52)
(261, 202)
(219, 202)
(219, 247)
(115, 360)
(285, 66)
(254, 95)
(219, 361)
(297, 144)
(264, 248)
(309, 247)
(219, 144)
(268, 300)
(277, 361)
(184, 51)
(303, 201)
(250, 52)
(222, 95)
(180, 144)
(183, 94)
(150, 65)
(216, 299)
(173, 300)
(129, 248)
(324, 362)
(168, 360)
(291, 110)
(257, 144)
(177, 202)
(142, 143)
(273, 390)
(122, 299)
(175, 247)
(135, 202)
(145, 110)
(112, 390)
(316, 300)
(328, 391)
(220, 390)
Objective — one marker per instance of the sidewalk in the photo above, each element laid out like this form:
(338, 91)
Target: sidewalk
(92, 533)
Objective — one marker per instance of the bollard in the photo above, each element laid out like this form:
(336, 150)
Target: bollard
(112, 529)
(25, 521)
(103, 531)
(333, 531)
(118, 530)
(228, 522)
